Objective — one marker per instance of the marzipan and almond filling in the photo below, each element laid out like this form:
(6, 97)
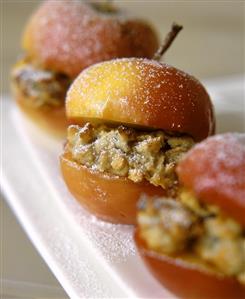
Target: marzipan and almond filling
(128, 152)
(40, 87)
(185, 227)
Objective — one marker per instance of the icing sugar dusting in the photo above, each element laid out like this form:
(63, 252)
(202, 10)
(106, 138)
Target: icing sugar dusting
(220, 165)
(75, 266)
(146, 93)
(68, 36)
(113, 241)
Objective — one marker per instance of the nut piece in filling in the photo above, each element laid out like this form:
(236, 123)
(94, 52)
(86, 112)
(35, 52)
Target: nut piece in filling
(127, 152)
(60, 40)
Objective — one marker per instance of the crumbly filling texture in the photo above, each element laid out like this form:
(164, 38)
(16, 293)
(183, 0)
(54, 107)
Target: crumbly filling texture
(128, 152)
(176, 227)
(40, 87)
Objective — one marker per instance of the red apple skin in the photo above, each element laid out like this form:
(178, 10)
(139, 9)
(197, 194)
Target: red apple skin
(67, 36)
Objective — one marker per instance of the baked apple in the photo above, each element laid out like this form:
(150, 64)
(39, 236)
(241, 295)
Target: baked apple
(195, 244)
(131, 121)
(61, 39)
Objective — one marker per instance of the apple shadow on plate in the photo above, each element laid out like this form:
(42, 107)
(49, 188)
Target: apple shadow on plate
(230, 122)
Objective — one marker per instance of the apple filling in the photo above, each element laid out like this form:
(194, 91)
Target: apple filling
(129, 152)
(200, 233)
(39, 87)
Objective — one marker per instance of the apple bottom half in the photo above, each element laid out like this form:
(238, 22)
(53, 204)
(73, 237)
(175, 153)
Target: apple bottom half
(51, 119)
(188, 280)
(110, 198)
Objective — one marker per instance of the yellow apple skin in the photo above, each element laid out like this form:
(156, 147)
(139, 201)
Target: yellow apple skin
(141, 92)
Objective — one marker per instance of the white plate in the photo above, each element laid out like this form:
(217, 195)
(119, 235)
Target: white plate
(89, 257)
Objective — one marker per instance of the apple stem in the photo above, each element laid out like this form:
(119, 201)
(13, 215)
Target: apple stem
(168, 41)
(105, 6)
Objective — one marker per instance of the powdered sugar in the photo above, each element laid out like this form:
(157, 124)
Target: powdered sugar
(229, 155)
(114, 242)
(153, 94)
(215, 170)
(68, 36)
